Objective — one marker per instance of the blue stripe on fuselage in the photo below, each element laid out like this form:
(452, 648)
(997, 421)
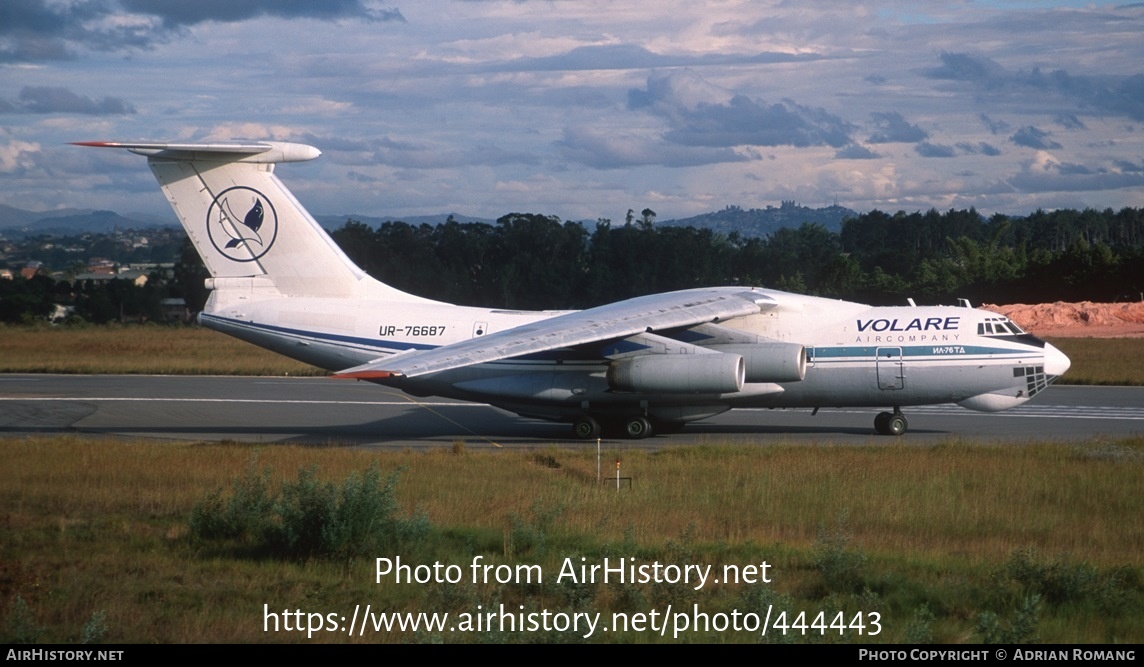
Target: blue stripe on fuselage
(935, 350)
(384, 345)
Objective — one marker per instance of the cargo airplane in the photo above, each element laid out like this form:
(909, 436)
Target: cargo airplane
(636, 367)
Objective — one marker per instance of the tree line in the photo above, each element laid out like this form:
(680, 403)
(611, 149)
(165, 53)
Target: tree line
(531, 261)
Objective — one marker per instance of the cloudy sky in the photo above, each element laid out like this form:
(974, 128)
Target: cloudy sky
(584, 109)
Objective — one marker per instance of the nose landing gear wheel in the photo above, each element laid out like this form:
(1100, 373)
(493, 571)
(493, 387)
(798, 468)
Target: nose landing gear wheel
(891, 423)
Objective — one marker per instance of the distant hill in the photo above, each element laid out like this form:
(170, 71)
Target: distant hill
(16, 217)
(765, 221)
(336, 221)
(19, 222)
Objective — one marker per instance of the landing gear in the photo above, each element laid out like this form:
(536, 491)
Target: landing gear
(891, 423)
(637, 428)
(586, 428)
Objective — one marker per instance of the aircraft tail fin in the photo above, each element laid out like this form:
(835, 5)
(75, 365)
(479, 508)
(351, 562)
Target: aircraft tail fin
(246, 224)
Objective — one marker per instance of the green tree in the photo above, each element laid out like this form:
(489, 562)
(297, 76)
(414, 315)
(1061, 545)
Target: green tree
(189, 278)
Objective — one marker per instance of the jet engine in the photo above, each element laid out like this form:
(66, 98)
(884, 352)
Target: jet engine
(711, 373)
(769, 361)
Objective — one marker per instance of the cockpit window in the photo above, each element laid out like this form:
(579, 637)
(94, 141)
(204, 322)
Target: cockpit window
(998, 326)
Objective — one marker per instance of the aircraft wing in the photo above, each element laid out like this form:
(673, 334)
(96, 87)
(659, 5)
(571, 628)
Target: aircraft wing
(644, 314)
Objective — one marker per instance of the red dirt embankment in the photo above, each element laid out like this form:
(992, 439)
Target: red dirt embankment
(1077, 320)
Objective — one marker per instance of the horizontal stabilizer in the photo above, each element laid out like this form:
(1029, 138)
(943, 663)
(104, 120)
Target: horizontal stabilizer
(262, 152)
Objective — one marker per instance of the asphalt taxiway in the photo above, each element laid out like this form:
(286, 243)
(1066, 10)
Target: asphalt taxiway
(345, 412)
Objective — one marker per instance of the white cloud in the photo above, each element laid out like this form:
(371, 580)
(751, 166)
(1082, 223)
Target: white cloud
(18, 156)
(690, 104)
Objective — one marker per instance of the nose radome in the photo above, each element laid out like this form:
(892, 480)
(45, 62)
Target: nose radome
(1056, 363)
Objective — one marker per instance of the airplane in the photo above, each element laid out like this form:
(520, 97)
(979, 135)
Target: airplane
(635, 367)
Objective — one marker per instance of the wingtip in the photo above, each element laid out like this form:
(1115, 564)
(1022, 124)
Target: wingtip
(365, 375)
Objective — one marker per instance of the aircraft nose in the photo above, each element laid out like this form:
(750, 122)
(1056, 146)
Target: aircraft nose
(1056, 363)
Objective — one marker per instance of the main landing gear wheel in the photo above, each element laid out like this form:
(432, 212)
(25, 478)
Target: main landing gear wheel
(586, 428)
(891, 423)
(637, 428)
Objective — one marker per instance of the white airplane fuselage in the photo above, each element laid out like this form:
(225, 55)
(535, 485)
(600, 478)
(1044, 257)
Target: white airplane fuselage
(857, 355)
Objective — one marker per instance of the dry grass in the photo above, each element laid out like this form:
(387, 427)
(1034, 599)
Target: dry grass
(145, 349)
(101, 524)
(1104, 361)
(980, 502)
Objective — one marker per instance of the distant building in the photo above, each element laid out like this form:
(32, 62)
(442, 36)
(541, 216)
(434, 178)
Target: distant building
(100, 265)
(137, 277)
(30, 270)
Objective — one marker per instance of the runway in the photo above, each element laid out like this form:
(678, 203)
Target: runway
(322, 411)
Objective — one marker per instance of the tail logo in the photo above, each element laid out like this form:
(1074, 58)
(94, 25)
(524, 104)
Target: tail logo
(242, 224)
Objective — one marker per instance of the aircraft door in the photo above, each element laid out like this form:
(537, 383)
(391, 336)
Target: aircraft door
(891, 369)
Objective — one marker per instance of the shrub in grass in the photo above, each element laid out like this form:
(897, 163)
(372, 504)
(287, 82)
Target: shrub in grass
(842, 568)
(1056, 581)
(682, 550)
(243, 517)
(528, 536)
(21, 626)
(308, 517)
(765, 601)
(1061, 583)
(95, 629)
(1021, 630)
(1119, 591)
(357, 519)
(920, 628)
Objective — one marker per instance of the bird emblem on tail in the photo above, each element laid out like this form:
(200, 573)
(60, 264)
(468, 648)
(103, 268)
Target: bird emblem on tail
(238, 236)
(241, 230)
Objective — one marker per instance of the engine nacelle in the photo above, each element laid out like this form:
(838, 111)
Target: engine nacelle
(713, 373)
(769, 361)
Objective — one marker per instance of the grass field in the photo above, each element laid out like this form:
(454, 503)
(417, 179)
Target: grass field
(952, 543)
(949, 543)
(1106, 361)
(138, 349)
(197, 351)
